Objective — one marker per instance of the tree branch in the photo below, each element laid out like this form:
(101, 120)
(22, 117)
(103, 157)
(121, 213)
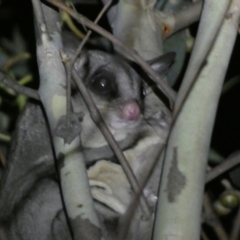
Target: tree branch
(236, 227)
(173, 22)
(7, 81)
(230, 162)
(185, 161)
(70, 160)
(209, 27)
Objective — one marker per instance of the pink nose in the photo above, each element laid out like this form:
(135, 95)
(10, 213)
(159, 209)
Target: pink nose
(131, 111)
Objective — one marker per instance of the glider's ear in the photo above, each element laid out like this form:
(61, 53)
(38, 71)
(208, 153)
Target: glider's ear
(161, 64)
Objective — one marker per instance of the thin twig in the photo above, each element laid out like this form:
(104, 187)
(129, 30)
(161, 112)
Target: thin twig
(236, 227)
(3, 234)
(70, 66)
(126, 218)
(2, 160)
(168, 91)
(204, 235)
(11, 61)
(4, 137)
(230, 84)
(97, 118)
(87, 36)
(215, 223)
(18, 88)
(68, 20)
(230, 162)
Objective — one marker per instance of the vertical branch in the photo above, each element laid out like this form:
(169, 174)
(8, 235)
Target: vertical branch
(211, 19)
(70, 160)
(181, 191)
(135, 25)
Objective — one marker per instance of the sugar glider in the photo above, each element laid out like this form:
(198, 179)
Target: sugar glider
(31, 206)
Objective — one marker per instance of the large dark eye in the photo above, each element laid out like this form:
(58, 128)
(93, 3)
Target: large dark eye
(104, 85)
